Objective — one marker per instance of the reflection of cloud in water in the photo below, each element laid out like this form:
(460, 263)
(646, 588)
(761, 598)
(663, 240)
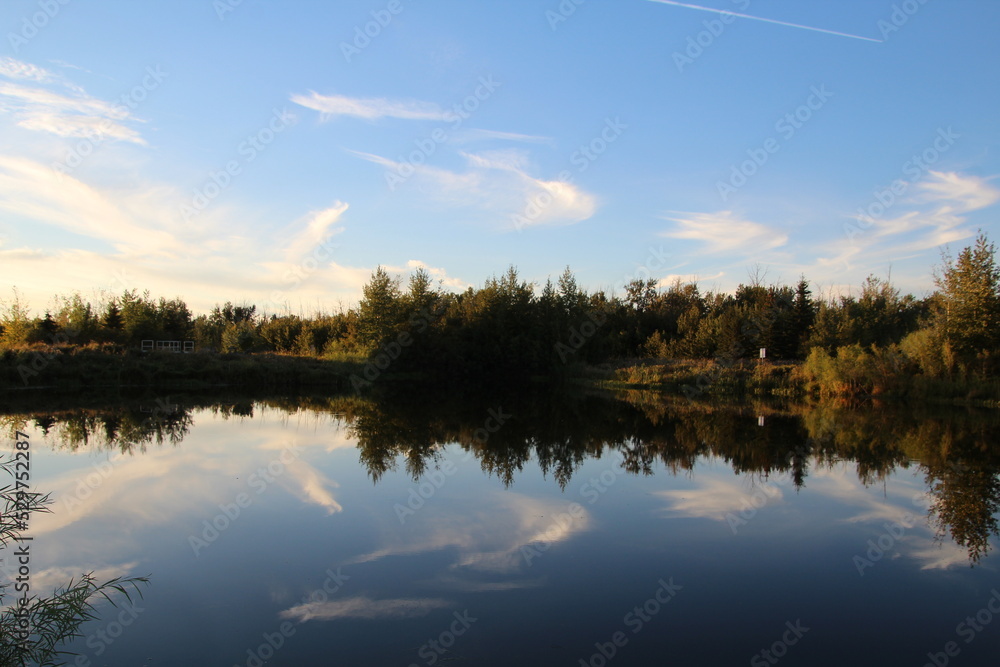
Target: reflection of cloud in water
(715, 498)
(310, 486)
(364, 608)
(934, 555)
(906, 510)
(488, 538)
(164, 485)
(472, 586)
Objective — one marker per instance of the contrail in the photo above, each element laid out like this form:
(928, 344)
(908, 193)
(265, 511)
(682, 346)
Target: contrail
(758, 18)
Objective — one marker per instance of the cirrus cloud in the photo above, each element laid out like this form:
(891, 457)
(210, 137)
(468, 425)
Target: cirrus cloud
(371, 108)
(725, 232)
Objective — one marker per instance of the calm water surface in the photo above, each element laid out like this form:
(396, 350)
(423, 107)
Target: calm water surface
(523, 531)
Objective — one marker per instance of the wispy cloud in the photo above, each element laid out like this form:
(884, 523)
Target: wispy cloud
(498, 182)
(933, 214)
(41, 101)
(474, 135)
(148, 248)
(35, 191)
(716, 498)
(316, 228)
(15, 69)
(725, 232)
(369, 108)
(311, 486)
(481, 545)
(960, 192)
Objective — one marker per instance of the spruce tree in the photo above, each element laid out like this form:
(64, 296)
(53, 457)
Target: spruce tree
(970, 299)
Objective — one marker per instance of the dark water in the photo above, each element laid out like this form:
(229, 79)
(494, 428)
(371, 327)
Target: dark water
(523, 531)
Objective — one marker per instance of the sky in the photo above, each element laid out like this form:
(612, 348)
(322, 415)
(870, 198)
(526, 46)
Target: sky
(277, 152)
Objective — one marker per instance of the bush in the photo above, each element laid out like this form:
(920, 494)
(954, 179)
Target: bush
(242, 337)
(930, 352)
(855, 371)
(655, 347)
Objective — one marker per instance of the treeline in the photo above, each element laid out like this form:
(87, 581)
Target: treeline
(511, 329)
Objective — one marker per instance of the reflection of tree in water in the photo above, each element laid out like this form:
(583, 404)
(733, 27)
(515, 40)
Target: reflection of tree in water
(963, 478)
(955, 450)
(640, 433)
(966, 501)
(128, 430)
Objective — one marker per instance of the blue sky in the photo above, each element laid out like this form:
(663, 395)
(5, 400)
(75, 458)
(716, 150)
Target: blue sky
(273, 152)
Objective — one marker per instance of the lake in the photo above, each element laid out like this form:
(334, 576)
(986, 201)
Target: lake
(590, 530)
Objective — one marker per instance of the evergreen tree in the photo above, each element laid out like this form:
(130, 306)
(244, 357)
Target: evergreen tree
(421, 295)
(970, 299)
(48, 327)
(379, 308)
(804, 313)
(113, 317)
(138, 312)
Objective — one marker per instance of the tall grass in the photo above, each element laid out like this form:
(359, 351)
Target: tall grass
(33, 630)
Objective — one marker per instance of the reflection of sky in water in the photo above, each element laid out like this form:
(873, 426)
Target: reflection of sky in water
(546, 572)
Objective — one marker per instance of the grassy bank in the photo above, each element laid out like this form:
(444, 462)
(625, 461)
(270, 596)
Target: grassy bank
(855, 379)
(695, 378)
(66, 368)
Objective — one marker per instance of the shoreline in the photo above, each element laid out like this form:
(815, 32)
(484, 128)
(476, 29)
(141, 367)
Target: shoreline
(68, 369)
